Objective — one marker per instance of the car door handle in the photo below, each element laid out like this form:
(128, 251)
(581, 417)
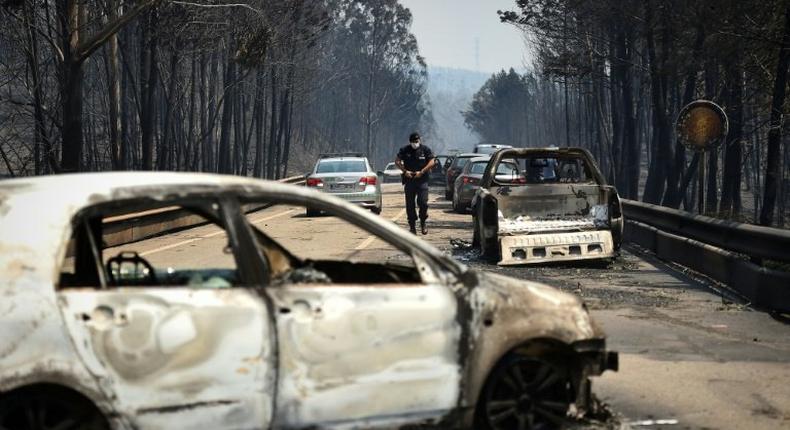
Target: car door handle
(301, 309)
(102, 317)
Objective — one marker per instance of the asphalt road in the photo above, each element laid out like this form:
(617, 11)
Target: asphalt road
(691, 356)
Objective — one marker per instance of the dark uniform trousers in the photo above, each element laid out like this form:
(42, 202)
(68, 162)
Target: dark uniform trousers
(416, 190)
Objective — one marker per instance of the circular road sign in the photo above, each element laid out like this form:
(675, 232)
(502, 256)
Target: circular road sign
(701, 125)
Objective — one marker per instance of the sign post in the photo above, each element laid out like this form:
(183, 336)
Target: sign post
(701, 126)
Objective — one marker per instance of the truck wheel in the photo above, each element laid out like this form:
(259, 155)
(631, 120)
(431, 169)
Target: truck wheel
(489, 249)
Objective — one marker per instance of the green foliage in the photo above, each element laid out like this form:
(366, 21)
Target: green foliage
(498, 112)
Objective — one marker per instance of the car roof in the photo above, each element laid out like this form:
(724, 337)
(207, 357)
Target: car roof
(342, 159)
(493, 145)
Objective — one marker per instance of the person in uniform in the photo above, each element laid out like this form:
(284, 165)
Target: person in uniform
(415, 160)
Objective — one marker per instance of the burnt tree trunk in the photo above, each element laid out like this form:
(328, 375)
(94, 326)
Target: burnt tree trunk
(731, 178)
(658, 171)
(773, 173)
(148, 105)
(224, 149)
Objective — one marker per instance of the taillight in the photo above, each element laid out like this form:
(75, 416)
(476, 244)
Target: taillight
(471, 181)
(367, 180)
(314, 182)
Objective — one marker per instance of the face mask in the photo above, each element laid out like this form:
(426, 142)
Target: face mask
(415, 145)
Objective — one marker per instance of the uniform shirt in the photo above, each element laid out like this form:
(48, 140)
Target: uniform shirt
(415, 160)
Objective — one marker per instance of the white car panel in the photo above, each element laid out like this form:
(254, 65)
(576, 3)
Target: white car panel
(350, 352)
(177, 357)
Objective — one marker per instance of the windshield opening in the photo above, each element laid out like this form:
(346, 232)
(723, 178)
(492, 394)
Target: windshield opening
(544, 170)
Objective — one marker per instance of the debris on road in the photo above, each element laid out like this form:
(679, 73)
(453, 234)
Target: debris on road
(649, 423)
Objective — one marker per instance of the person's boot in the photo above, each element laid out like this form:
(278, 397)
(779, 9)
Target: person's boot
(412, 228)
(423, 227)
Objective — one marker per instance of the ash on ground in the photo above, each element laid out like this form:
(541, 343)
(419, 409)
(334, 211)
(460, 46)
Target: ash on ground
(602, 284)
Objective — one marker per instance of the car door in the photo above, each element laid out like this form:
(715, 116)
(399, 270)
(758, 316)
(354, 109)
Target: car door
(353, 353)
(180, 356)
(383, 354)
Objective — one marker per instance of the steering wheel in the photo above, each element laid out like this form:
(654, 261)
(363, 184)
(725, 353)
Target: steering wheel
(133, 257)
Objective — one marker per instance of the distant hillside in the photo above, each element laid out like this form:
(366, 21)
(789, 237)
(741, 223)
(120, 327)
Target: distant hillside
(450, 92)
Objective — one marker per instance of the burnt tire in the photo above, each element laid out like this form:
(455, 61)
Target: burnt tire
(457, 205)
(489, 249)
(523, 393)
(49, 407)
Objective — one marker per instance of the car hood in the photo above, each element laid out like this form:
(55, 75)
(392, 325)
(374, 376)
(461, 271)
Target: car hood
(552, 311)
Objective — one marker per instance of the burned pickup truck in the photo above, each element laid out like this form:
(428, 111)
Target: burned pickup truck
(553, 206)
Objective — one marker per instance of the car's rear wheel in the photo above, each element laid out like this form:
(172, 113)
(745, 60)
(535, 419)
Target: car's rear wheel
(525, 392)
(456, 206)
(49, 408)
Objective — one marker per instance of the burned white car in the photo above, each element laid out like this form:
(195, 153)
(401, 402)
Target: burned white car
(99, 331)
(556, 206)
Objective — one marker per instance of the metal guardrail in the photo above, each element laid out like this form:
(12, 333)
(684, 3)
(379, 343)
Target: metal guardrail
(722, 250)
(748, 239)
(144, 225)
(295, 180)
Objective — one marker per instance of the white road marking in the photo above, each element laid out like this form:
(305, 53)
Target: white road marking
(370, 239)
(272, 216)
(400, 214)
(209, 235)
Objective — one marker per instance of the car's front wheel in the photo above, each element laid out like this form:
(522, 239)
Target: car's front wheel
(525, 392)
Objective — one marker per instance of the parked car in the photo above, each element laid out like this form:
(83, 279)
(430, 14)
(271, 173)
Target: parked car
(457, 163)
(348, 176)
(468, 181)
(558, 208)
(392, 173)
(257, 337)
(486, 148)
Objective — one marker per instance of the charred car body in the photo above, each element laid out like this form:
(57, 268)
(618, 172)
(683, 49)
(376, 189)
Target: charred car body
(558, 207)
(274, 341)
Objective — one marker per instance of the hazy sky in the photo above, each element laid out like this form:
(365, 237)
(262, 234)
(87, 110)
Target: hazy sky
(447, 29)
